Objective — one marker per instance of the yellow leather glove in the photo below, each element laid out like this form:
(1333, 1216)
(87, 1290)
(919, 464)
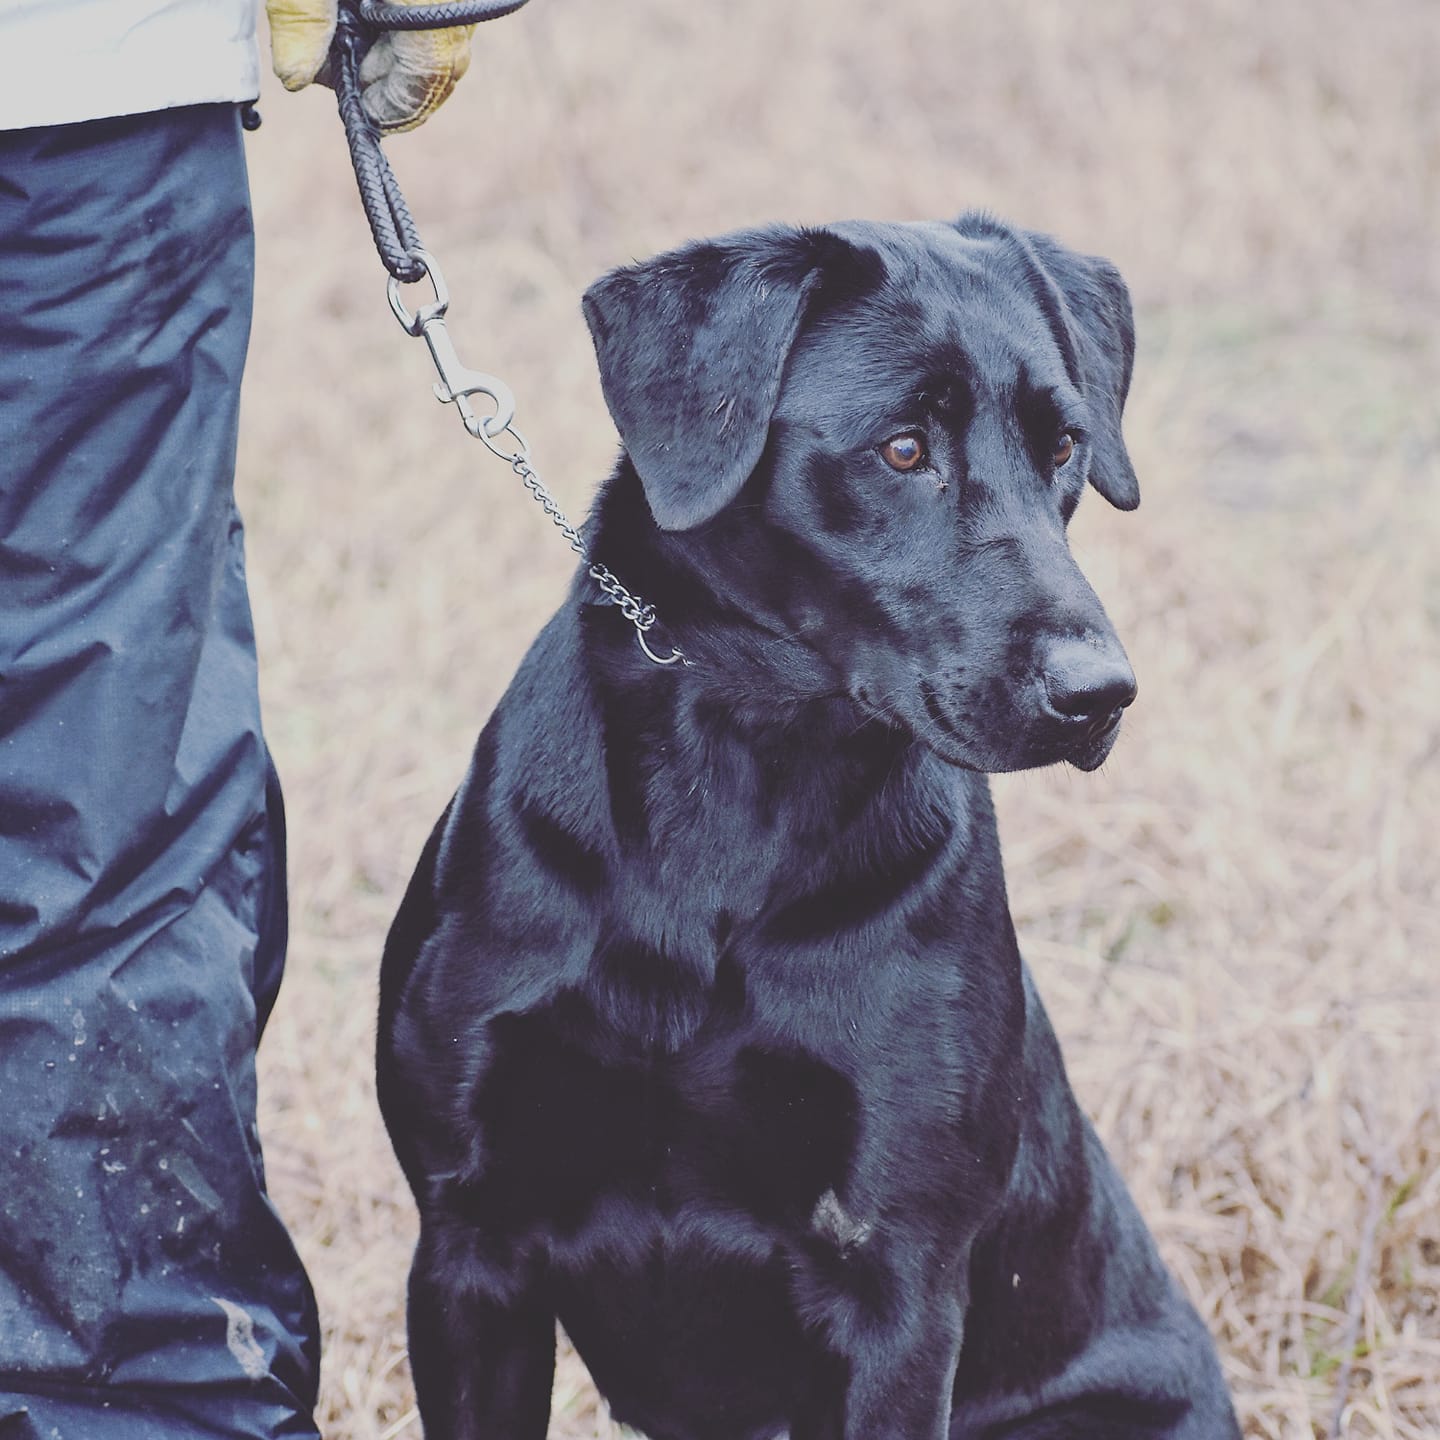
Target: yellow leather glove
(404, 78)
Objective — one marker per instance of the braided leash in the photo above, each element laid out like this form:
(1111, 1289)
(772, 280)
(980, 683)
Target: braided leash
(435, 17)
(398, 243)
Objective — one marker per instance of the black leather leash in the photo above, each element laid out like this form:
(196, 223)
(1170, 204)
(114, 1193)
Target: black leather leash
(391, 223)
(398, 242)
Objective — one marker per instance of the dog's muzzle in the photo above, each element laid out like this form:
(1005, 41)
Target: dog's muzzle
(1088, 683)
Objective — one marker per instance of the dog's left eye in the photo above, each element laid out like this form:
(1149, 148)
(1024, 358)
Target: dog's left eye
(904, 452)
(1064, 449)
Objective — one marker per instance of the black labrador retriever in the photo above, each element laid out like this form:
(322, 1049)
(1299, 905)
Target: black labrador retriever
(703, 1025)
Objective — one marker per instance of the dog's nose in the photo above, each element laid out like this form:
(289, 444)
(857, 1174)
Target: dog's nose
(1087, 683)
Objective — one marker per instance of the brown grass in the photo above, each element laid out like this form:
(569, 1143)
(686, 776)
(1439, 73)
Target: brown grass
(1235, 923)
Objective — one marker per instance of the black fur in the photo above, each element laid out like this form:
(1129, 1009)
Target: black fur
(703, 1026)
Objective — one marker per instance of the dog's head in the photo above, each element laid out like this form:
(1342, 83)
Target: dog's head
(869, 439)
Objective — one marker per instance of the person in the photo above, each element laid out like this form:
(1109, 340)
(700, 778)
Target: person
(147, 1287)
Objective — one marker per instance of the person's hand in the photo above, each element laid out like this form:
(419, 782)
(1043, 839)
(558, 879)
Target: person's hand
(404, 78)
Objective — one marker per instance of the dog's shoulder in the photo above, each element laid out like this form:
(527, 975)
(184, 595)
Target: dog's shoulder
(510, 867)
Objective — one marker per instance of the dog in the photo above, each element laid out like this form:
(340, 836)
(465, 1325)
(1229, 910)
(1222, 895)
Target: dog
(703, 1024)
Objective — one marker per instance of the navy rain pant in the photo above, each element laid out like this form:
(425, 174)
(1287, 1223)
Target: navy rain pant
(147, 1289)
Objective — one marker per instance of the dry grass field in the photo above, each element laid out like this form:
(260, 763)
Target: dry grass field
(1235, 923)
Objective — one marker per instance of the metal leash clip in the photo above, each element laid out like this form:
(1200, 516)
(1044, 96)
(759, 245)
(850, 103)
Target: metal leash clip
(457, 381)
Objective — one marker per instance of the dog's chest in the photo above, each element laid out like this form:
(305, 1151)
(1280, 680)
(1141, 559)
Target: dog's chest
(574, 1117)
(672, 1187)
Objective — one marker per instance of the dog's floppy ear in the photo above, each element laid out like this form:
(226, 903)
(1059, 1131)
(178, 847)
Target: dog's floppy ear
(1096, 305)
(692, 346)
(1087, 307)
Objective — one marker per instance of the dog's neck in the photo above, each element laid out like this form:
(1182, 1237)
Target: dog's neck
(753, 766)
(744, 812)
(694, 581)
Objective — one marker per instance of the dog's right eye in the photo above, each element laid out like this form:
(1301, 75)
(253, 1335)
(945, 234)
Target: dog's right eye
(904, 452)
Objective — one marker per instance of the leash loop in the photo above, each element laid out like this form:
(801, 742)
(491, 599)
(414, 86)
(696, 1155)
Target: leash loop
(391, 225)
(398, 243)
(356, 25)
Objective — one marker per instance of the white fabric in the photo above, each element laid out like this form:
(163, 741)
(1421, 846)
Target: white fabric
(66, 60)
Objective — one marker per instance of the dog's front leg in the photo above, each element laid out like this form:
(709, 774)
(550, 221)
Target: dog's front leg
(482, 1353)
(886, 1382)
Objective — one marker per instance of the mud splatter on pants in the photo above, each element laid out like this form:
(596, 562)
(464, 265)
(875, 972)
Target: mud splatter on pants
(146, 1286)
